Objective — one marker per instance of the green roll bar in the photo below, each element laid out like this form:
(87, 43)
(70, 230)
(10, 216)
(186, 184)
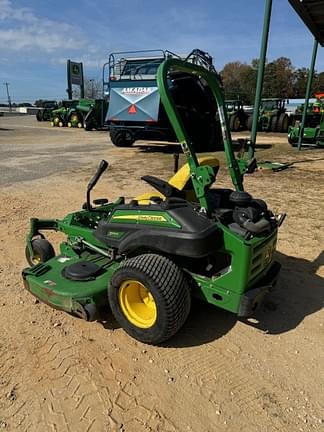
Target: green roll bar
(202, 176)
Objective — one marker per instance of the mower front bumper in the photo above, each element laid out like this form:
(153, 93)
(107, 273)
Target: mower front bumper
(252, 299)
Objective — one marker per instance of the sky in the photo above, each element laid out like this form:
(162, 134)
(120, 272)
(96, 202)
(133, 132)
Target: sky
(37, 36)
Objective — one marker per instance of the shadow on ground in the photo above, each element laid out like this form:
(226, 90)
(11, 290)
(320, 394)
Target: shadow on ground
(299, 293)
(176, 148)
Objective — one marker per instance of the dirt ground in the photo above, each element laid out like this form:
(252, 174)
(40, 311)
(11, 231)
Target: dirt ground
(59, 373)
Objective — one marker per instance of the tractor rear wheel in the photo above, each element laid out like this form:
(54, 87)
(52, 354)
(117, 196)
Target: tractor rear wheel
(249, 122)
(235, 123)
(88, 125)
(42, 251)
(274, 124)
(283, 123)
(149, 297)
(39, 115)
(121, 138)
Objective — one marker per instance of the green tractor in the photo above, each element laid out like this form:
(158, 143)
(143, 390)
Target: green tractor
(272, 116)
(236, 114)
(45, 110)
(93, 113)
(152, 255)
(66, 115)
(87, 113)
(313, 133)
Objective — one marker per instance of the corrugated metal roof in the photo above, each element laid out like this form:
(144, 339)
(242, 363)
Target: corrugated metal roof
(312, 14)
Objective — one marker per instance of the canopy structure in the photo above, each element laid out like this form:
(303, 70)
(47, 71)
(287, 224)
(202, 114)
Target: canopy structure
(311, 13)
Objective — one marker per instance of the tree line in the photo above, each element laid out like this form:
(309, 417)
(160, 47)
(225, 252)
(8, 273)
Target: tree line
(281, 79)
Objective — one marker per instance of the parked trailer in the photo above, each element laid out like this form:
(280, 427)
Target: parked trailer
(135, 110)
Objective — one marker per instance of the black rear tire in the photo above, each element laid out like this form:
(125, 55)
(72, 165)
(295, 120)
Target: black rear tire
(165, 282)
(88, 126)
(121, 138)
(43, 251)
(274, 124)
(249, 122)
(39, 115)
(283, 123)
(235, 123)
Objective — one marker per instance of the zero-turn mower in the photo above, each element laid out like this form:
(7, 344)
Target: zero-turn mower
(153, 255)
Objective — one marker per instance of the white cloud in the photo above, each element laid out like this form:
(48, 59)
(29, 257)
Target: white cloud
(24, 31)
(89, 61)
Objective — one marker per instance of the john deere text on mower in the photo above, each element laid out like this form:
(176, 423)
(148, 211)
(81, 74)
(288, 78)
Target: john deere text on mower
(156, 252)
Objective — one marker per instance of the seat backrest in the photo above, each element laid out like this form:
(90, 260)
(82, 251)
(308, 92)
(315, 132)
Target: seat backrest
(182, 180)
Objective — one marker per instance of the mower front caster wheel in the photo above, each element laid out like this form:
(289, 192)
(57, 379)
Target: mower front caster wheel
(42, 251)
(149, 297)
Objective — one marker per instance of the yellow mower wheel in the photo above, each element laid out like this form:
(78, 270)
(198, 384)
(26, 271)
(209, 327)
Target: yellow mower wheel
(137, 304)
(149, 297)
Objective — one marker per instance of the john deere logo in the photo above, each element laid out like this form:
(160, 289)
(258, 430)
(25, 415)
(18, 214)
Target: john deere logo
(75, 69)
(142, 218)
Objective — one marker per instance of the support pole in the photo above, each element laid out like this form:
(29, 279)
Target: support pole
(308, 91)
(8, 96)
(258, 91)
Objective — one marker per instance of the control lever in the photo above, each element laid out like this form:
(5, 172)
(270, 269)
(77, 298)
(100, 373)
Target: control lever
(92, 183)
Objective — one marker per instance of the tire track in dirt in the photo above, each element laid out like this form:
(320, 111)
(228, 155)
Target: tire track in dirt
(78, 388)
(214, 373)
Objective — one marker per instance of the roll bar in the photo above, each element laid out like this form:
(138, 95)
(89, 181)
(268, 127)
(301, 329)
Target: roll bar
(202, 176)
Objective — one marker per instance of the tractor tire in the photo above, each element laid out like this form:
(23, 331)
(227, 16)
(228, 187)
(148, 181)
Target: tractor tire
(149, 297)
(60, 123)
(74, 120)
(235, 123)
(89, 121)
(274, 124)
(249, 122)
(121, 138)
(283, 123)
(88, 125)
(69, 125)
(43, 251)
(39, 115)
(56, 121)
